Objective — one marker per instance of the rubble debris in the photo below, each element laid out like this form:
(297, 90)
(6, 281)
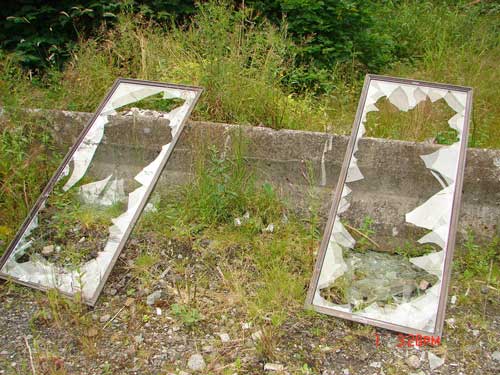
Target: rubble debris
(434, 361)
(273, 367)
(196, 362)
(153, 297)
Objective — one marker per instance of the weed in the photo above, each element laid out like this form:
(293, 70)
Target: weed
(68, 314)
(479, 260)
(26, 165)
(224, 188)
(365, 232)
(143, 268)
(411, 250)
(267, 344)
(187, 315)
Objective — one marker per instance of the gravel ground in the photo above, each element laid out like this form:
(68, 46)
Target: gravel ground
(123, 334)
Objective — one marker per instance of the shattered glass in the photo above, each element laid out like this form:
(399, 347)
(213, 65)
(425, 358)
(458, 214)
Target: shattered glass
(394, 274)
(77, 231)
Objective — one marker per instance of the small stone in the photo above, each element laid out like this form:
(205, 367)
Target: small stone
(269, 228)
(47, 250)
(112, 292)
(434, 361)
(345, 371)
(4, 352)
(475, 332)
(273, 367)
(92, 332)
(237, 222)
(246, 216)
(413, 361)
(104, 318)
(224, 337)
(256, 335)
(196, 362)
(81, 240)
(246, 325)
(453, 300)
(158, 311)
(139, 339)
(376, 364)
(207, 348)
(58, 249)
(424, 284)
(496, 356)
(153, 297)
(484, 289)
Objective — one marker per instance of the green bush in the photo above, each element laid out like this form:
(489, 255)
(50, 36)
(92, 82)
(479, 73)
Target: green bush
(332, 32)
(44, 33)
(328, 32)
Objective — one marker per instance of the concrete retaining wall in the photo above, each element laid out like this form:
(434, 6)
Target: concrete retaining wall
(307, 164)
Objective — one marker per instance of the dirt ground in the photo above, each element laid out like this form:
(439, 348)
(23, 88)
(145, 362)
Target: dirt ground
(43, 333)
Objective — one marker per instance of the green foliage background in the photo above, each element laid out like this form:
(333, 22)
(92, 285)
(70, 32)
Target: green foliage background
(328, 32)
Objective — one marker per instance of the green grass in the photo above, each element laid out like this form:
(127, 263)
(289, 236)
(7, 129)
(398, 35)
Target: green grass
(268, 271)
(456, 45)
(246, 66)
(238, 60)
(476, 259)
(26, 164)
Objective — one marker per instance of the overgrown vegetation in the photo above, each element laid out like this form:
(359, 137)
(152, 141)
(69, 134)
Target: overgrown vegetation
(272, 268)
(283, 74)
(26, 164)
(427, 121)
(215, 275)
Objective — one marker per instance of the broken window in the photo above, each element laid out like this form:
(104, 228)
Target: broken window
(77, 228)
(386, 260)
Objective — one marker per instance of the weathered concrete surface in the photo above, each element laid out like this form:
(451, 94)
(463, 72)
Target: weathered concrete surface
(305, 167)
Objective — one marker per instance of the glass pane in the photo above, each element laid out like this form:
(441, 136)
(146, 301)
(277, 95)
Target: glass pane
(385, 256)
(76, 234)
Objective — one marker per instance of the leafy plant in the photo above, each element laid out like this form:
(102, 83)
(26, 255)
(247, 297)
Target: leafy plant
(479, 259)
(189, 316)
(44, 33)
(332, 32)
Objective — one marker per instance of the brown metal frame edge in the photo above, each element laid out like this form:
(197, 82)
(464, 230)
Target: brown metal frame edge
(53, 180)
(453, 221)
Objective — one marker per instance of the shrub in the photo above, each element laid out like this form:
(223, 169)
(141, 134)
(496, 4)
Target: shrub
(332, 32)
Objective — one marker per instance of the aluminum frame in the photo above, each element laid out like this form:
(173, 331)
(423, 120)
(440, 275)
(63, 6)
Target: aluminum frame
(452, 229)
(52, 182)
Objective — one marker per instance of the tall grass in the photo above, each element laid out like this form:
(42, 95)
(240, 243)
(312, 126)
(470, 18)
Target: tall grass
(453, 44)
(239, 60)
(27, 161)
(247, 66)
